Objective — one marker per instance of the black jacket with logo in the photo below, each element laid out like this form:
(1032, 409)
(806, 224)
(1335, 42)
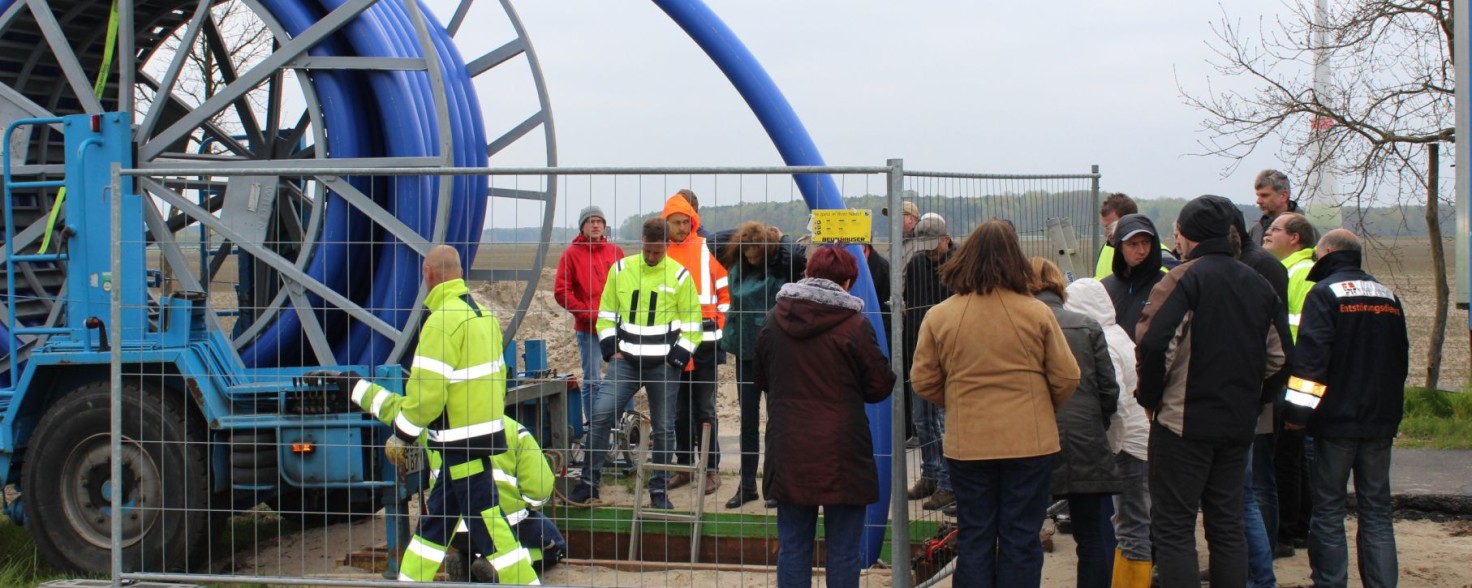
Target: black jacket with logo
(1350, 364)
(1212, 347)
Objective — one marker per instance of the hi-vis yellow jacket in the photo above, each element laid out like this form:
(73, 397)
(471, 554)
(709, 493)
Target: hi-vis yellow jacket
(456, 392)
(650, 314)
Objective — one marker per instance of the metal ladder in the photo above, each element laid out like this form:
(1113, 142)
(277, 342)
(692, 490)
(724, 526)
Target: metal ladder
(697, 478)
(1065, 249)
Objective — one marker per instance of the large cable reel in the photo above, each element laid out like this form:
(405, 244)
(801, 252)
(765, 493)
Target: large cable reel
(256, 84)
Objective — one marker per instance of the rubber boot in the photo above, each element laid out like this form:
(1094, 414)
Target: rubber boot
(1129, 573)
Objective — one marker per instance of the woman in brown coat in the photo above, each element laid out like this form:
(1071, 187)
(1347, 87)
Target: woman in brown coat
(818, 360)
(996, 360)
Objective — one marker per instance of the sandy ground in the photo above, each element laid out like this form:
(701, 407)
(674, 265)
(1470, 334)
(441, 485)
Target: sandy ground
(1431, 554)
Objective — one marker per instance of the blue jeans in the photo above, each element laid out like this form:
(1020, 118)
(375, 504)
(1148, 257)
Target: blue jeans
(593, 382)
(1328, 554)
(1265, 484)
(1094, 537)
(1000, 505)
(930, 429)
(843, 524)
(661, 382)
(1132, 508)
(1259, 547)
(539, 531)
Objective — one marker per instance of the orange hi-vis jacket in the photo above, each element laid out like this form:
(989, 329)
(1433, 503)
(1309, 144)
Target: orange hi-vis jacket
(710, 279)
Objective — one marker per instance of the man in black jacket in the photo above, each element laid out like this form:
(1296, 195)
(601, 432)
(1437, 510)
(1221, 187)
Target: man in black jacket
(1348, 386)
(1212, 350)
(1137, 268)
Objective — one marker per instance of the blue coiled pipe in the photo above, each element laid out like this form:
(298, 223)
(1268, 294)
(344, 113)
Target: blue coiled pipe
(378, 114)
(819, 191)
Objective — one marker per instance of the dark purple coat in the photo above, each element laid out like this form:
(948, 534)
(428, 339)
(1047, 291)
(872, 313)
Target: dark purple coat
(819, 362)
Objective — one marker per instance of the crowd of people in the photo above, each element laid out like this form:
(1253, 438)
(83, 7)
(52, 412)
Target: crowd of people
(1240, 374)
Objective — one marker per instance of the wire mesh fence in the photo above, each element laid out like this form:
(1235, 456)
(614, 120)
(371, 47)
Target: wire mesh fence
(233, 285)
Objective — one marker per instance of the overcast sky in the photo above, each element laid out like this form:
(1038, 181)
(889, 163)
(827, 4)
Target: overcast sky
(1004, 87)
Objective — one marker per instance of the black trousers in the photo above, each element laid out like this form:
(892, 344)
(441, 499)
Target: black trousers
(1293, 488)
(696, 405)
(1186, 475)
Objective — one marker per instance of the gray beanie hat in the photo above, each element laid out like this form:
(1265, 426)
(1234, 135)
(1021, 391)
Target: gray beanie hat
(588, 213)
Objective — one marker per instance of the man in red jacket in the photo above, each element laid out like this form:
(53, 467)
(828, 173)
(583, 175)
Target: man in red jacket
(581, 274)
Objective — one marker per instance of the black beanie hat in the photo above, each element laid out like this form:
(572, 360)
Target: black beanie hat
(1206, 217)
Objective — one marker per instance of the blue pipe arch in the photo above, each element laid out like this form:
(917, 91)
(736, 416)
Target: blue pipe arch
(796, 147)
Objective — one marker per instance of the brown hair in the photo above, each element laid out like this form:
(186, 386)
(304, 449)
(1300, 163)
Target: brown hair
(1048, 278)
(656, 229)
(750, 233)
(1118, 203)
(989, 259)
(689, 196)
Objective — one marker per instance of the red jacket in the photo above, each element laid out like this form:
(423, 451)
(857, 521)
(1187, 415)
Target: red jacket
(581, 273)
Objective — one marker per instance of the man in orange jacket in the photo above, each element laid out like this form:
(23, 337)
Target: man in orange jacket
(696, 402)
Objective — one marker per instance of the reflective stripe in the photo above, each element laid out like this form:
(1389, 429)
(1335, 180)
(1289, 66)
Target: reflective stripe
(360, 389)
(511, 558)
(1293, 319)
(462, 527)
(378, 402)
(426, 551)
(1361, 288)
(432, 365)
(651, 330)
(607, 333)
(722, 283)
(532, 501)
(434, 474)
(517, 517)
(1301, 399)
(466, 432)
(607, 315)
(645, 350)
(405, 578)
(705, 277)
(686, 345)
(1307, 386)
(503, 477)
(723, 308)
(708, 299)
(448, 372)
(407, 428)
(711, 335)
(522, 433)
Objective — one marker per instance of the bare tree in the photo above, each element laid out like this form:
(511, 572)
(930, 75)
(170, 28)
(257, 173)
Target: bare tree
(1391, 95)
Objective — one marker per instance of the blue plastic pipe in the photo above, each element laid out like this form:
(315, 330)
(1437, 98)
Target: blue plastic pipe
(818, 190)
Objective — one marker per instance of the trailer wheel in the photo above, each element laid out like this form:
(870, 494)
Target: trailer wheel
(166, 499)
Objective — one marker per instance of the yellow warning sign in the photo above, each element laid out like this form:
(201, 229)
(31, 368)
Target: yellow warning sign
(841, 225)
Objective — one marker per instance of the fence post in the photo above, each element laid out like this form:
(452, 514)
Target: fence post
(116, 361)
(1096, 238)
(899, 543)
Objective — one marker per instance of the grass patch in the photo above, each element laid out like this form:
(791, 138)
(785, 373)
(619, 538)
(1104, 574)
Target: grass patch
(20, 565)
(1436, 420)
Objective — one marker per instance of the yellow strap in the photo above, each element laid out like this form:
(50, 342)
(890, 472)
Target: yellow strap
(97, 88)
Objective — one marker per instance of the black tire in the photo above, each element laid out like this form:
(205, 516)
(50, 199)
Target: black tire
(165, 466)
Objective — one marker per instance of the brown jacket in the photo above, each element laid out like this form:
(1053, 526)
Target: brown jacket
(999, 365)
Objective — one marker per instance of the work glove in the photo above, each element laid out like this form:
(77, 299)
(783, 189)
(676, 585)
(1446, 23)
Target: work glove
(607, 346)
(337, 388)
(678, 357)
(399, 452)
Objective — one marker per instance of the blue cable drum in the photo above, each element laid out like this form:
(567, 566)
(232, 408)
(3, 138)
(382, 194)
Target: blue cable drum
(378, 114)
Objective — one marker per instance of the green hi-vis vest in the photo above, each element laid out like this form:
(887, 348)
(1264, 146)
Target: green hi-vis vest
(1298, 266)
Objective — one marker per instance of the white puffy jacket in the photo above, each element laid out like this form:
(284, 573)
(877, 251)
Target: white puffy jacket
(1129, 430)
